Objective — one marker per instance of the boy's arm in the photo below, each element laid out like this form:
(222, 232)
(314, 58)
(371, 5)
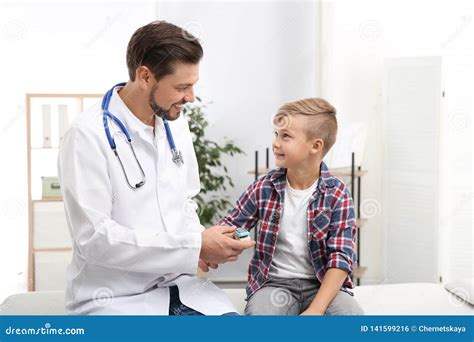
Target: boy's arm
(332, 282)
(245, 212)
(340, 249)
(243, 215)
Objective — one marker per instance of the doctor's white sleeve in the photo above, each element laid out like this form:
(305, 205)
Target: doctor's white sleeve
(87, 192)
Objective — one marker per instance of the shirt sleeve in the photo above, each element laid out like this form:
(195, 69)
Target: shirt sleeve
(340, 243)
(245, 212)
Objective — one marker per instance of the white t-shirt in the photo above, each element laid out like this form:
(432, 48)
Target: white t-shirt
(291, 258)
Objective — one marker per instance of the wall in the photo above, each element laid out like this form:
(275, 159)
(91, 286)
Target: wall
(358, 36)
(257, 56)
(50, 47)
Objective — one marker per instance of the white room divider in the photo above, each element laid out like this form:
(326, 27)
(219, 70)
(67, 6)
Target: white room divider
(428, 169)
(411, 174)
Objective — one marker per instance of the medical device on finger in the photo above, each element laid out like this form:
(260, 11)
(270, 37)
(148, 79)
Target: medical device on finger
(242, 234)
(177, 157)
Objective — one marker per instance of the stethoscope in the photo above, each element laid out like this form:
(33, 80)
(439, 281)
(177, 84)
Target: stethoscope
(177, 157)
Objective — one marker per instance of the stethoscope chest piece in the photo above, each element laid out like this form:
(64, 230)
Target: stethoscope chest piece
(177, 157)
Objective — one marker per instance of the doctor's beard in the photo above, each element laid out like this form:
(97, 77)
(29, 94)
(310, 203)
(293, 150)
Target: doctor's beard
(158, 110)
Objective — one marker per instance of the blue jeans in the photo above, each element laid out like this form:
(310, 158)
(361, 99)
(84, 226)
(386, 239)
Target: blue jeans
(179, 309)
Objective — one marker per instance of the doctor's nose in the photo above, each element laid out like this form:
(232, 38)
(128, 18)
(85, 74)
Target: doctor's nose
(189, 97)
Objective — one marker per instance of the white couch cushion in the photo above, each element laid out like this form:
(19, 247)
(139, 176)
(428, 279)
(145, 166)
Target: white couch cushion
(463, 289)
(237, 296)
(52, 302)
(34, 303)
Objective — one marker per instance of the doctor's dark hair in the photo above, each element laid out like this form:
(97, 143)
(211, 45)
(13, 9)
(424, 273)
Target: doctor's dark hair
(159, 46)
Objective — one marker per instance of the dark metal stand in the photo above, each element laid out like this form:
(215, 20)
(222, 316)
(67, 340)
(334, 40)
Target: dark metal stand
(356, 199)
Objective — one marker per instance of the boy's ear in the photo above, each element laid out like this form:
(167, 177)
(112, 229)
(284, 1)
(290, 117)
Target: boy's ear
(318, 145)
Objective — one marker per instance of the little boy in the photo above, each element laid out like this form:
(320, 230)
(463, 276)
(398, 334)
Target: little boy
(305, 221)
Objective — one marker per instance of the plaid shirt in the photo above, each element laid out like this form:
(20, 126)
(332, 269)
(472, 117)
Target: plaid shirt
(331, 225)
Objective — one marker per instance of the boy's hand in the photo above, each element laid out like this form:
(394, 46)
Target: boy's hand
(311, 312)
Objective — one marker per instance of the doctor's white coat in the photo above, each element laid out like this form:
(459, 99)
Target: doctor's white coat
(129, 245)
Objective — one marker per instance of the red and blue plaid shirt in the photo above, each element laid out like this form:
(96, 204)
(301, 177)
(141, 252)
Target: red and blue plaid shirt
(331, 225)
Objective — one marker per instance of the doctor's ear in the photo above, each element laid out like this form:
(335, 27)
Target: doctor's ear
(144, 77)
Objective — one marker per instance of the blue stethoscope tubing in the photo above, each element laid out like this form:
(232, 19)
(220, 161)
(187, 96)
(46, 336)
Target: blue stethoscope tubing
(177, 156)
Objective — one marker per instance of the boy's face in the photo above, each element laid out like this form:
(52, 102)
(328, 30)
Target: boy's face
(292, 147)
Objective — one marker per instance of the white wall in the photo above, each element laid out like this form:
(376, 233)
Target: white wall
(50, 47)
(257, 55)
(359, 35)
(456, 222)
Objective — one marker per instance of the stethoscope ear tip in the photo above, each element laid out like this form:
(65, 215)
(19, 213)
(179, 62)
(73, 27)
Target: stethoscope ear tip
(139, 185)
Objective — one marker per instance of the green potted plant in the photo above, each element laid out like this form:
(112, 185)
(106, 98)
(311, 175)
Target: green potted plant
(213, 175)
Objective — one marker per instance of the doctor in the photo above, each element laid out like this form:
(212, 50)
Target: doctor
(128, 173)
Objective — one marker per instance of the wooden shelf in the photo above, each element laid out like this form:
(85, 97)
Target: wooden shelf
(347, 172)
(45, 148)
(359, 272)
(52, 199)
(361, 222)
(65, 249)
(78, 101)
(79, 96)
(262, 171)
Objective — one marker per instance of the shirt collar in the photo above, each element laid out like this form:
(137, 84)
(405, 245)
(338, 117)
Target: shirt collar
(133, 124)
(326, 180)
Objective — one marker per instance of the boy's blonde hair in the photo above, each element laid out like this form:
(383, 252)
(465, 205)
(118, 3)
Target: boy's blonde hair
(322, 122)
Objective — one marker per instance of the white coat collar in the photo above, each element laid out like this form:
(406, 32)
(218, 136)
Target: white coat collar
(133, 124)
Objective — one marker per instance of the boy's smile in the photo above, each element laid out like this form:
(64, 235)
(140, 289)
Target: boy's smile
(279, 155)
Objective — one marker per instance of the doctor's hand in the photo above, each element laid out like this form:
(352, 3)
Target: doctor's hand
(218, 248)
(204, 265)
